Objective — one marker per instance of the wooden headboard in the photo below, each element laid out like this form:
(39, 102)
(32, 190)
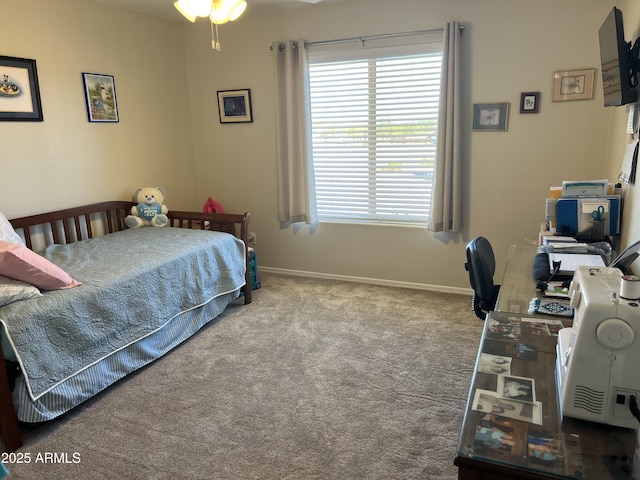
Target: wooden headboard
(88, 221)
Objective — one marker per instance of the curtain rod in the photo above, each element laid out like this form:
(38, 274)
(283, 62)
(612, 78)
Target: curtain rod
(377, 37)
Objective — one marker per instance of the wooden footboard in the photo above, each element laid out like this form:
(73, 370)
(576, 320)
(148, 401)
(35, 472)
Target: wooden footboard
(80, 223)
(236, 224)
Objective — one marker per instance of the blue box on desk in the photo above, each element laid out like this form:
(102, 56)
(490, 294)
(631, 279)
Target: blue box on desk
(575, 214)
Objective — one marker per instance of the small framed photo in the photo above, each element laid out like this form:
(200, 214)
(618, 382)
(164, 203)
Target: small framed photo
(573, 85)
(234, 106)
(490, 116)
(19, 90)
(529, 102)
(100, 96)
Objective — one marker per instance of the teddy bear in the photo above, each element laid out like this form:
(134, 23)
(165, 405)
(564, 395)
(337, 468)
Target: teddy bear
(150, 209)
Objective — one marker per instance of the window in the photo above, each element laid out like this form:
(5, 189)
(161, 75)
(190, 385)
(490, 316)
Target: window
(374, 115)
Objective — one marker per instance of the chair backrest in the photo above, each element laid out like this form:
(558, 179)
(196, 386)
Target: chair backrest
(481, 265)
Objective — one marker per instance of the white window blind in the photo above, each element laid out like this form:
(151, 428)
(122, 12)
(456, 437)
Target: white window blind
(374, 126)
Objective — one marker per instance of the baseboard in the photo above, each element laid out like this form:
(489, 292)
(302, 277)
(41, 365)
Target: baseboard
(374, 281)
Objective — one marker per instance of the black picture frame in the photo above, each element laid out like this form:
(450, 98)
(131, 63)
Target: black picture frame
(19, 90)
(100, 97)
(234, 106)
(529, 102)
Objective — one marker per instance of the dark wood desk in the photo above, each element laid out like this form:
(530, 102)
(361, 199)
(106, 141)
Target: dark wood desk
(507, 439)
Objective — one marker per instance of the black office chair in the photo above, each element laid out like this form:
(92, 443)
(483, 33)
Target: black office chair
(481, 265)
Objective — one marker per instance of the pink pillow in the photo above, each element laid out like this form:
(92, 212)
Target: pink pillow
(22, 264)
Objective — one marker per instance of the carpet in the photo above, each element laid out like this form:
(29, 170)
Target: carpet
(316, 379)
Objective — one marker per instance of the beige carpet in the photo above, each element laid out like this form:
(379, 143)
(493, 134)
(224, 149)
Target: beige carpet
(316, 379)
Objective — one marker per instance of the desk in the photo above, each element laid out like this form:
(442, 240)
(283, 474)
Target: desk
(506, 439)
(518, 286)
(586, 450)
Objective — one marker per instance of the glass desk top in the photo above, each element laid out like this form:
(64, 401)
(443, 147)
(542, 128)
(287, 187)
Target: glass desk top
(512, 427)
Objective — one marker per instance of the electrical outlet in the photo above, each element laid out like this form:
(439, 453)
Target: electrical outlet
(251, 238)
(621, 399)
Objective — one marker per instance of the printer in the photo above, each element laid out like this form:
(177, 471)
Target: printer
(599, 356)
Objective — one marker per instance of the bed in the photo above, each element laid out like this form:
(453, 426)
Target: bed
(135, 294)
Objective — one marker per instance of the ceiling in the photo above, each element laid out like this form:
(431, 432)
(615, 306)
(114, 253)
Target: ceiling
(165, 8)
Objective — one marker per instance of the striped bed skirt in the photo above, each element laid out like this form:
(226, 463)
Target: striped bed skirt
(92, 380)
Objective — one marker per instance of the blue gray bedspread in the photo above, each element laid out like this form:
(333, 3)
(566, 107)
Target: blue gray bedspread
(133, 283)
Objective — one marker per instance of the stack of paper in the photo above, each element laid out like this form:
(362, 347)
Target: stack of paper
(555, 239)
(570, 261)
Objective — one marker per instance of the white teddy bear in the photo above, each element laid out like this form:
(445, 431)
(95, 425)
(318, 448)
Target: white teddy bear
(150, 210)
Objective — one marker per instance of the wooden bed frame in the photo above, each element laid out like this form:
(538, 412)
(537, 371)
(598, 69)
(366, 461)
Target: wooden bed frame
(80, 223)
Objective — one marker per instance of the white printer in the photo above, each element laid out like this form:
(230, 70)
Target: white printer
(598, 358)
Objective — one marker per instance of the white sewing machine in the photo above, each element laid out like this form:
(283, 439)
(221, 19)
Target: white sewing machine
(598, 359)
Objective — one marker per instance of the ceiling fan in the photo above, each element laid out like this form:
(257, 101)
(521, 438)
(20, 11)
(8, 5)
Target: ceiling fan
(218, 11)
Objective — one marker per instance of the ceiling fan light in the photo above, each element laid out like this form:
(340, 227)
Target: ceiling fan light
(219, 12)
(237, 10)
(201, 8)
(183, 7)
(219, 21)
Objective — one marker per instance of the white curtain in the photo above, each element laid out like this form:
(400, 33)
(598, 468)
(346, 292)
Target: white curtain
(296, 188)
(446, 208)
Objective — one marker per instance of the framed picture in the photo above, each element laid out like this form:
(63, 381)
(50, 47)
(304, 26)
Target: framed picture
(100, 96)
(529, 102)
(234, 106)
(490, 116)
(573, 85)
(19, 90)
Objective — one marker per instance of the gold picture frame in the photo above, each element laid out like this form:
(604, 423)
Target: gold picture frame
(573, 85)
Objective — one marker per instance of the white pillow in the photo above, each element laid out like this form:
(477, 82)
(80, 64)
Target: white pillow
(7, 233)
(14, 290)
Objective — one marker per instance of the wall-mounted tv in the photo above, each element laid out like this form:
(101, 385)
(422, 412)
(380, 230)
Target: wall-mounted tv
(619, 62)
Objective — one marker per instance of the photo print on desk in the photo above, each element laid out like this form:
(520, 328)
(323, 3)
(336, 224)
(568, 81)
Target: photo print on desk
(500, 438)
(503, 328)
(521, 389)
(545, 449)
(496, 364)
(543, 326)
(489, 402)
(494, 438)
(519, 350)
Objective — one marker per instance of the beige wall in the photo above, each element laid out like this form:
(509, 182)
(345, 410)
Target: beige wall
(509, 47)
(166, 79)
(67, 161)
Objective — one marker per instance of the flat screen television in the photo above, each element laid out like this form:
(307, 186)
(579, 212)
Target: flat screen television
(619, 62)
